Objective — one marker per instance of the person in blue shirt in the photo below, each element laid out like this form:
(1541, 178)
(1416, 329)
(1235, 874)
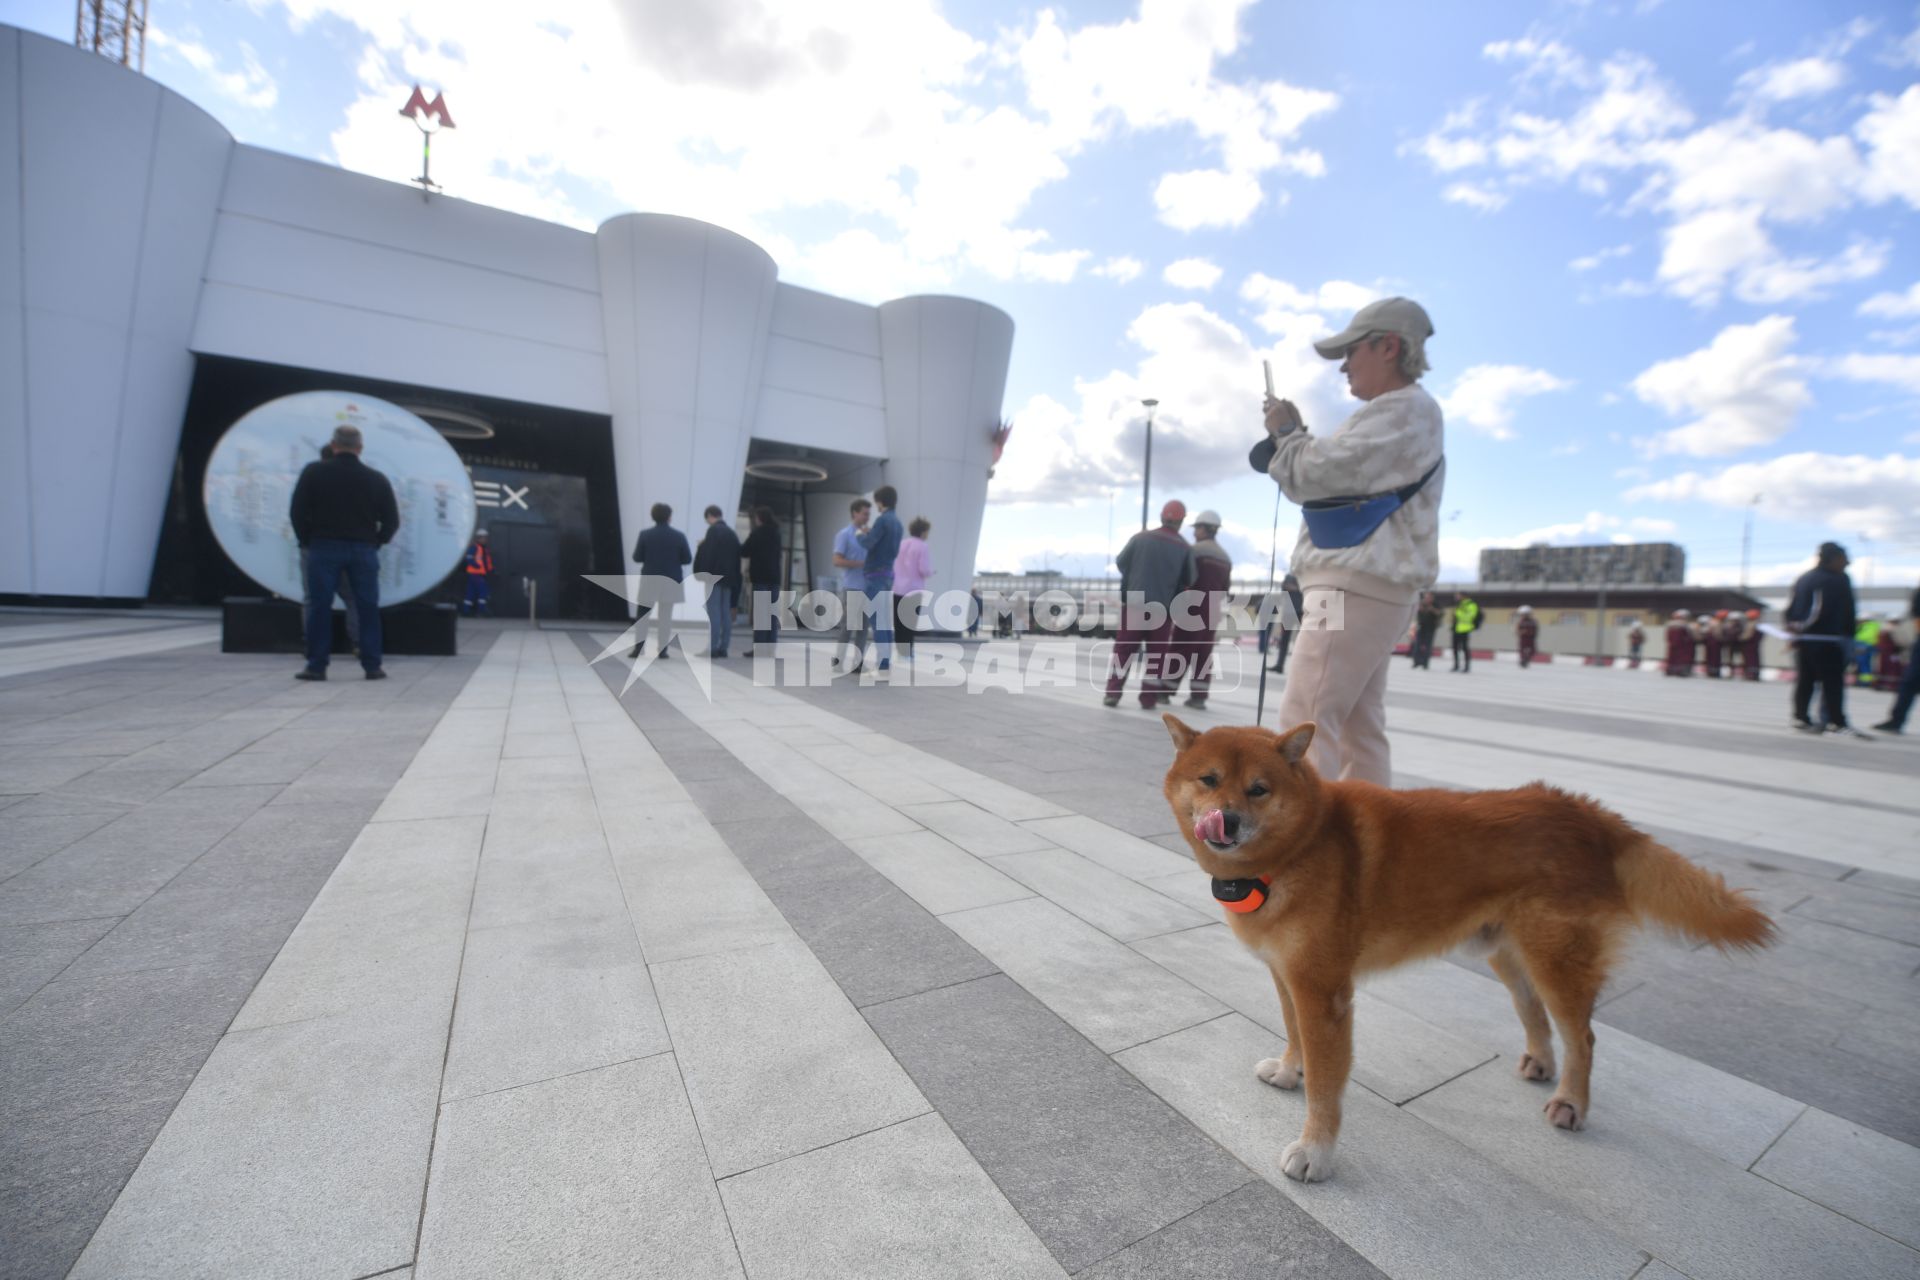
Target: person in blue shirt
(850, 558)
(882, 543)
(663, 554)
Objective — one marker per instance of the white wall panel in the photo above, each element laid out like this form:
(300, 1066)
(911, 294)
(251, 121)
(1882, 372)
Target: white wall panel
(830, 321)
(791, 417)
(192, 150)
(277, 258)
(304, 193)
(16, 522)
(73, 406)
(300, 332)
(828, 372)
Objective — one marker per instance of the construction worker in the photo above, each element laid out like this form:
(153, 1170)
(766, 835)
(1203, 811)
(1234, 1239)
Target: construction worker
(1680, 643)
(1707, 632)
(479, 565)
(1466, 620)
(1866, 644)
(1750, 644)
(1730, 636)
(1213, 574)
(1526, 629)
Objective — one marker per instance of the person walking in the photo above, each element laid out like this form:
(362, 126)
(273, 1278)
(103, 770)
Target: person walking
(479, 562)
(1287, 621)
(1821, 618)
(663, 554)
(1466, 621)
(1636, 644)
(1205, 601)
(342, 513)
(1526, 631)
(1910, 680)
(850, 558)
(881, 541)
(765, 567)
(1426, 621)
(1155, 566)
(1369, 494)
(719, 559)
(912, 569)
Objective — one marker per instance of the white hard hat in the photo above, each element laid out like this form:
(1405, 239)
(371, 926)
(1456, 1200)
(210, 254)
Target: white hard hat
(1207, 517)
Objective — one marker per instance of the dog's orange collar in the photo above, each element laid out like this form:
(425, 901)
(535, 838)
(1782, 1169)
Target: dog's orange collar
(1241, 896)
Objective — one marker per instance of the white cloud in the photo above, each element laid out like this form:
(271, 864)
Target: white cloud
(1485, 396)
(1891, 134)
(1191, 273)
(1893, 305)
(1899, 371)
(1741, 390)
(1121, 270)
(1485, 199)
(1801, 78)
(1705, 254)
(1206, 198)
(1301, 315)
(1845, 493)
(252, 86)
(1592, 260)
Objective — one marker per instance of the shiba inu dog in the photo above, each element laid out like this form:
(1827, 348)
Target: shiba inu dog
(1327, 881)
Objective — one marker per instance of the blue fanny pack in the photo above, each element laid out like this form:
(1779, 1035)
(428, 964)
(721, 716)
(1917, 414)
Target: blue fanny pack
(1333, 523)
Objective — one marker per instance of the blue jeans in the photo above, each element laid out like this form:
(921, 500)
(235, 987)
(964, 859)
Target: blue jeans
(881, 594)
(720, 601)
(327, 559)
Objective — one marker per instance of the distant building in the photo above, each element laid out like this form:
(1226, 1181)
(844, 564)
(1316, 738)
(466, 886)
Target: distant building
(1639, 563)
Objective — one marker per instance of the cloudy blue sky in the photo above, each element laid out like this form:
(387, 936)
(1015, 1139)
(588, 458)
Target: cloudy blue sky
(1669, 247)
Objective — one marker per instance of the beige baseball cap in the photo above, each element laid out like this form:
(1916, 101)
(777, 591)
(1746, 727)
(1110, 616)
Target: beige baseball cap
(1387, 315)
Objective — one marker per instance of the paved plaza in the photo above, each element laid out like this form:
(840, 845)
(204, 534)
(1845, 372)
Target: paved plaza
(495, 970)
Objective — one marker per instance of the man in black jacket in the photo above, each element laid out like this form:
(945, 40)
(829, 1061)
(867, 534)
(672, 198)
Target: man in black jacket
(663, 554)
(1910, 682)
(343, 512)
(719, 556)
(1821, 616)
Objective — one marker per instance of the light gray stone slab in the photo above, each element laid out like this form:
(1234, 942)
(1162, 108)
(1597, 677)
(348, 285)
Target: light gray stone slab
(1708, 1108)
(438, 795)
(936, 873)
(1711, 1219)
(1193, 887)
(596, 1174)
(1112, 848)
(1110, 902)
(1395, 1053)
(686, 891)
(974, 829)
(1405, 1196)
(519, 745)
(26, 774)
(549, 998)
(544, 866)
(776, 1060)
(1852, 1170)
(997, 798)
(537, 775)
(903, 1202)
(1105, 991)
(300, 1150)
(1891, 917)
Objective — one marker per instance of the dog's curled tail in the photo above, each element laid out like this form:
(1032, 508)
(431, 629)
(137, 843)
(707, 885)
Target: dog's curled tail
(1668, 889)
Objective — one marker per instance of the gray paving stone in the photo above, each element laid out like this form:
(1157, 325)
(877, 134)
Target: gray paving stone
(32, 773)
(1885, 882)
(32, 955)
(1110, 994)
(1113, 849)
(903, 1202)
(687, 892)
(595, 1174)
(1630, 1174)
(549, 998)
(301, 1149)
(776, 1061)
(1892, 918)
(974, 829)
(56, 1186)
(724, 800)
(936, 873)
(1107, 900)
(1254, 1233)
(1405, 1196)
(1850, 1169)
(1396, 1054)
(1089, 1158)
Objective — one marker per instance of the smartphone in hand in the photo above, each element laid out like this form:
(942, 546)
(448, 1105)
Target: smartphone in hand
(1266, 367)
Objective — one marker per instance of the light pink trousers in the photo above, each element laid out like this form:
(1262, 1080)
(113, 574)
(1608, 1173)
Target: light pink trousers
(1338, 680)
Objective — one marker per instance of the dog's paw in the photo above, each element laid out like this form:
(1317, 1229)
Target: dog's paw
(1278, 1072)
(1305, 1161)
(1532, 1068)
(1564, 1113)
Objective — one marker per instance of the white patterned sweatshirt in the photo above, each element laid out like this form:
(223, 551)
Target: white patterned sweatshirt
(1387, 444)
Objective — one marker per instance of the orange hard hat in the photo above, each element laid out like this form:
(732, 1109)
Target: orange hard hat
(1754, 614)
(1721, 614)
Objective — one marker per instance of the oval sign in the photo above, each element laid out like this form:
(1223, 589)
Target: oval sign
(251, 475)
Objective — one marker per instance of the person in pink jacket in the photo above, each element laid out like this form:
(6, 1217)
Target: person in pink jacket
(911, 569)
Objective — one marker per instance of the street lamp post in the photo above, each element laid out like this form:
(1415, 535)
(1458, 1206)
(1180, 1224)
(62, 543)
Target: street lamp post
(1146, 482)
(1746, 542)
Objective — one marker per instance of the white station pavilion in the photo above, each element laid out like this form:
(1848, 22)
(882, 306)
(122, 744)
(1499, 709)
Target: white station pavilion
(157, 279)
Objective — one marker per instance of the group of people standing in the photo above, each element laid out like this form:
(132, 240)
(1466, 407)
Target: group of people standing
(1171, 636)
(1722, 643)
(1462, 618)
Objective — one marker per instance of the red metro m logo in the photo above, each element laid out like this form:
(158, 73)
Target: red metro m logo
(421, 111)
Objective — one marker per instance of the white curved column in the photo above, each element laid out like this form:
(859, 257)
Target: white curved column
(687, 309)
(944, 366)
(115, 183)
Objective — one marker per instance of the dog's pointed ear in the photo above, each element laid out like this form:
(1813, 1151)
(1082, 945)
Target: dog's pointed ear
(1294, 742)
(1183, 734)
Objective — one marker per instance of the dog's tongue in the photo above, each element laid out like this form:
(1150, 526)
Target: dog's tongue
(1212, 826)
